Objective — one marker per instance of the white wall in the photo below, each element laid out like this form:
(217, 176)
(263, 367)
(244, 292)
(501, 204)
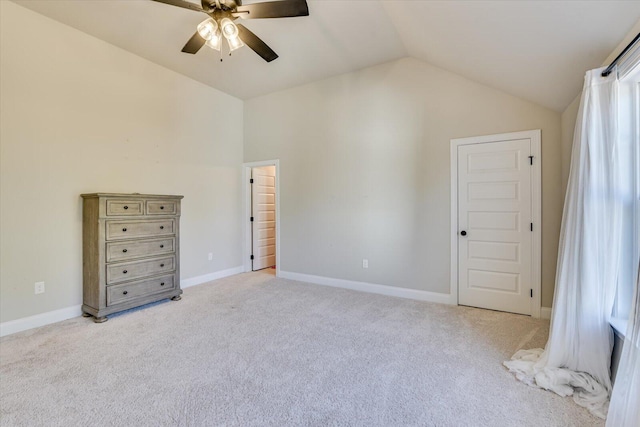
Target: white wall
(79, 115)
(364, 161)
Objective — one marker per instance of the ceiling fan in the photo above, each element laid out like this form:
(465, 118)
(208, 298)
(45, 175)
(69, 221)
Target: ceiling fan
(223, 13)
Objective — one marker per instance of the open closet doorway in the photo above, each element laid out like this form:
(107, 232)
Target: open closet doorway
(263, 217)
(261, 248)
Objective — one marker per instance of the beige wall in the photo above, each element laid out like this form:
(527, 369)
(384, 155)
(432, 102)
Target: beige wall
(79, 115)
(364, 161)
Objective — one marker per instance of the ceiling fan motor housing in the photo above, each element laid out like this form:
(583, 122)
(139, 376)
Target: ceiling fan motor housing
(227, 5)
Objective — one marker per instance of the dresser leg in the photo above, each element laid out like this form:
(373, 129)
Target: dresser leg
(100, 319)
(86, 315)
(176, 298)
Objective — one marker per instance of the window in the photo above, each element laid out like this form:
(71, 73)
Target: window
(629, 114)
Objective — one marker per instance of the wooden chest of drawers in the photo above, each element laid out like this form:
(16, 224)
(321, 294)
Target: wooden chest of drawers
(131, 251)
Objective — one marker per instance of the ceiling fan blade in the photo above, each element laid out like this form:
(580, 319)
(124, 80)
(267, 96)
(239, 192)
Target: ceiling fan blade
(256, 44)
(273, 9)
(181, 3)
(194, 44)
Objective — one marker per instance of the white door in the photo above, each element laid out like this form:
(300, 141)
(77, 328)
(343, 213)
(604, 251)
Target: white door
(263, 208)
(494, 226)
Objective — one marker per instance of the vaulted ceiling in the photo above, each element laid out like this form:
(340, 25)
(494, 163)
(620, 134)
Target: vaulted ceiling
(536, 50)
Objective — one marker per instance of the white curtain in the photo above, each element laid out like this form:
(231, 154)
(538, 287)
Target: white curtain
(577, 356)
(625, 401)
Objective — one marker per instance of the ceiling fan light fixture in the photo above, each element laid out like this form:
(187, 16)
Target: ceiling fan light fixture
(234, 43)
(229, 29)
(216, 42)
(208, 29)
(230, 32)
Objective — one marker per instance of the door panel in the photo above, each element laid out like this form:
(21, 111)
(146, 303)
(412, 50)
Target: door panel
(263, 205)
(494, 251)
(494, 209)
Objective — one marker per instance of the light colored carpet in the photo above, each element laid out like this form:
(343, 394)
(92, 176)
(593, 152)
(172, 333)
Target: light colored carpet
(254, 350)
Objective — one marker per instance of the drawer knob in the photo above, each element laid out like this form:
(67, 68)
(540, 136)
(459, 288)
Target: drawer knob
(161, 265)
(161, 207)
(161, 246)
(162, 284)
(124, 229)
(124, 271)
(125, 292)
(124, 250)
(162, 227)
(126, 207)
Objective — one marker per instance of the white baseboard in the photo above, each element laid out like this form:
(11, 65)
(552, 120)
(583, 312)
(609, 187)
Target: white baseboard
(25, 323)
(19, 325)
(370, 287)
(545, 312)
(187, 283)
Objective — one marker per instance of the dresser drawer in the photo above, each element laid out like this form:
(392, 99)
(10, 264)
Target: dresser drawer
(162, 207)
(129, 291)
(124, 207)
(129, 249)
(125, 271)
(131, 229)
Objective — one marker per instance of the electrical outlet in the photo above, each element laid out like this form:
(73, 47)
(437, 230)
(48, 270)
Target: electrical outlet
(39, 288)
(365, 263)
(210, 257)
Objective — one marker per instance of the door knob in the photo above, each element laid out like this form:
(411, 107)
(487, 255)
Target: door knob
(463, 233)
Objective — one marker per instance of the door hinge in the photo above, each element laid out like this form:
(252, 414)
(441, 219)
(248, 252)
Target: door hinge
(530, 160)
(251, 219)
(531, 293)
(531, 226)
(251, 256)
(251, 181)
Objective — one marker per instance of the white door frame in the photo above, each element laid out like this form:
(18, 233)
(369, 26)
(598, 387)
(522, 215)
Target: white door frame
(246, 212)
(536, 209)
